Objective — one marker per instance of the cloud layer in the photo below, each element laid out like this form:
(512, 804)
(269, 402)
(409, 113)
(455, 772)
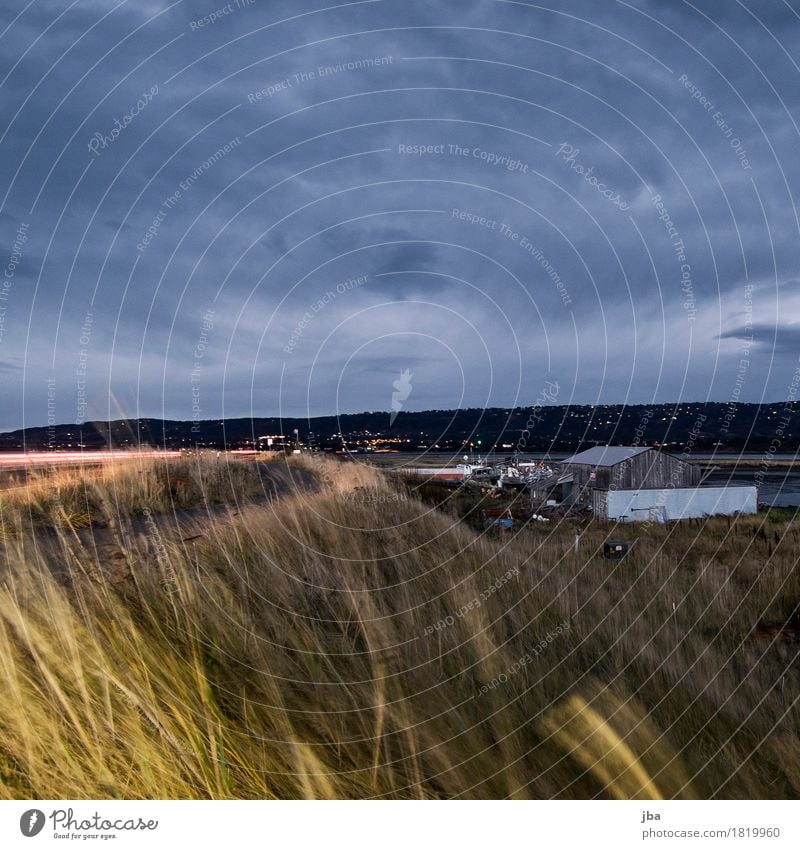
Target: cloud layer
(276, 208)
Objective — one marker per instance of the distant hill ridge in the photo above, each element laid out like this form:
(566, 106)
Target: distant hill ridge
(774, 427)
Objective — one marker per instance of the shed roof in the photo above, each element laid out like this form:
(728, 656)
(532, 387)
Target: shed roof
(605, 455)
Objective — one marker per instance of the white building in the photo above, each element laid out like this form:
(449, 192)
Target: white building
(667, 505)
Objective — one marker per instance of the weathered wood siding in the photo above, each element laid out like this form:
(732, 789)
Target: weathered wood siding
(648, 470)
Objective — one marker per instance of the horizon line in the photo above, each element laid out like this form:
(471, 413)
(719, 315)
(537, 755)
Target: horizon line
(218, 419)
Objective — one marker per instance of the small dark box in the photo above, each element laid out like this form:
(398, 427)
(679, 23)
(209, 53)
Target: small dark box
(614, 550)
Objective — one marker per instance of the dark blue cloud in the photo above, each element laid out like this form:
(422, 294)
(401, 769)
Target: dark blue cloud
(584, 193)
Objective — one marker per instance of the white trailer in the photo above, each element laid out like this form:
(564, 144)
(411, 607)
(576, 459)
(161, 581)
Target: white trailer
(667, 505)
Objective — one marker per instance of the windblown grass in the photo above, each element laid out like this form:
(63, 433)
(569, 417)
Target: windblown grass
(347, 640)
(74, 497)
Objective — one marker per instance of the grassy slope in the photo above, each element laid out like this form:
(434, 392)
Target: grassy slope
(303, 649)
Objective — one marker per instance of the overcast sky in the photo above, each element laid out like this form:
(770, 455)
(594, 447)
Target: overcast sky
(278, 207)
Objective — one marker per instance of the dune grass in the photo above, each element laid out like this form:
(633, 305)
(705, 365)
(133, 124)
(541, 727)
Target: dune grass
(76, 498)
(348, 640)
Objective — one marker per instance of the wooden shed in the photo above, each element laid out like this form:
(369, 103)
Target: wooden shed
(620, 467)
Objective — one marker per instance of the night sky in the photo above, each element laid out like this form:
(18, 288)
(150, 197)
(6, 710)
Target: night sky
(301, 208)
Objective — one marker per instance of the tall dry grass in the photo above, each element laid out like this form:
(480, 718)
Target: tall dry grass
(78, 497)
(347, 640)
